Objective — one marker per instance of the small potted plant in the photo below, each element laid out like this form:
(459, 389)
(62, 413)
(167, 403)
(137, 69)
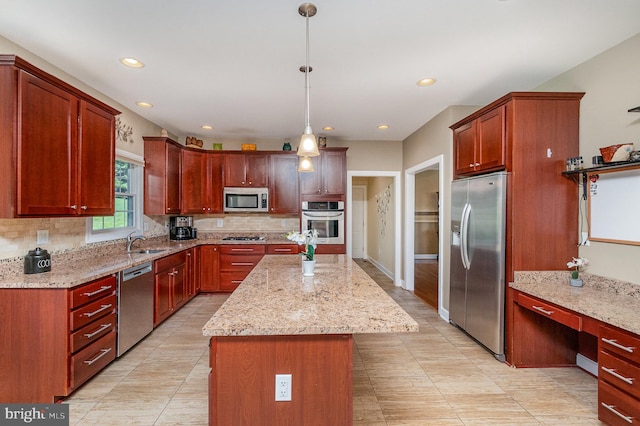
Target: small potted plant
(577, 263)
(309, 238)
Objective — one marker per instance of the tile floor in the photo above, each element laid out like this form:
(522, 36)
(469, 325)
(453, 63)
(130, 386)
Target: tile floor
(437, 376)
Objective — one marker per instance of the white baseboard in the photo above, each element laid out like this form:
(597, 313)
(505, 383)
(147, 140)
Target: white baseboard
(382, 269)
(587, 364)
(425, 256)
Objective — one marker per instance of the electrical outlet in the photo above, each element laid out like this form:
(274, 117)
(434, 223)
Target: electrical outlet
(220, 223)
(283, 387)
(42, 236)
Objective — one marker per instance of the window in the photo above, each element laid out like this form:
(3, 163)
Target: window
(127, 216)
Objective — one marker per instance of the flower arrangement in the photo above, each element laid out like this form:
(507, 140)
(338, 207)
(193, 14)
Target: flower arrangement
(309, 238)
(577, 262)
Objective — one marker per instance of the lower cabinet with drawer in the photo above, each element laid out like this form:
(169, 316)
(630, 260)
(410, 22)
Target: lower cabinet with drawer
(236, 262)
(618, 377)
(55, 339)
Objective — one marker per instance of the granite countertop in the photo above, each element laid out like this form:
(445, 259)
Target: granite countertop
(607, 300)
(78, 267)
(275, 299)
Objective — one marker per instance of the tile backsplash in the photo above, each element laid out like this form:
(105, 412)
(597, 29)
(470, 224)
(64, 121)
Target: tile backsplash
(18, 236)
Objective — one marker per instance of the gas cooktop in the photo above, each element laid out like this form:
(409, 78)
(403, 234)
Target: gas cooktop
(244, 238)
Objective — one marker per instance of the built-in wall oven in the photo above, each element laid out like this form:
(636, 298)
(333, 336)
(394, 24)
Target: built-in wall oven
(327, 217)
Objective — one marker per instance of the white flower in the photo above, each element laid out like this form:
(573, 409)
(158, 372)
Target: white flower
(577, 262)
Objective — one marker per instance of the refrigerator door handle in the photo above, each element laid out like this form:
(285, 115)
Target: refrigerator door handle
(464, 236)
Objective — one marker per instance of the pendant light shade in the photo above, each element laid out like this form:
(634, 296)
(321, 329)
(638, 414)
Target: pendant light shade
(305, 164)
(308, 146)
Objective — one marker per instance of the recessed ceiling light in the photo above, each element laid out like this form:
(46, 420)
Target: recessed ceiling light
(383, 126)
(144, 104)
(132, 62)
(207, 127)
(328, 128)
(426, 82)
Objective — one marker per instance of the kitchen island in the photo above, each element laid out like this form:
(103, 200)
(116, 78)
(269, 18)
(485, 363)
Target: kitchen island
(279, 322)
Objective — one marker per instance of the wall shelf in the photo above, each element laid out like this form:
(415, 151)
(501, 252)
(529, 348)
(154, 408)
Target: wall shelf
(609, 167)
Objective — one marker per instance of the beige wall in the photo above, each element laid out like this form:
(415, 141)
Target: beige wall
(381, 222)
(611, 82)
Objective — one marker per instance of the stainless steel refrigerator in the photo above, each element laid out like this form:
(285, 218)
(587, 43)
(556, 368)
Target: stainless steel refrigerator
(477, 276)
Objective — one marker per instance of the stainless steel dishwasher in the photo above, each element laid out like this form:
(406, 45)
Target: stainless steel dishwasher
(135, 305)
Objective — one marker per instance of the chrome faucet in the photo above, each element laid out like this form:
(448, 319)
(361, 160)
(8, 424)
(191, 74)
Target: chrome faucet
(131, 239)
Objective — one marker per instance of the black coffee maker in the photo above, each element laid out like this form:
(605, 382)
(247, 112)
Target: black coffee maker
(181, 228)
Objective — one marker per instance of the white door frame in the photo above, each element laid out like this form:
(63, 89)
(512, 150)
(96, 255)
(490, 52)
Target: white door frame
(397, 275)
(409, 228)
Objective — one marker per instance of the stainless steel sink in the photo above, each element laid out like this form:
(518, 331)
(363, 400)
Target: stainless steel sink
(150, 251)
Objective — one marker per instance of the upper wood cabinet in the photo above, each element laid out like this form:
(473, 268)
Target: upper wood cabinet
(57, 146)
(162, 158)
(201, 182)
(329, 176)
(479, 145)
(284, 193)
(246, 170)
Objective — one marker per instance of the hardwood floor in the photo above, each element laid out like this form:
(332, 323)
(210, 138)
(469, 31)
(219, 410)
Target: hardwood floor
(438, 376)
(425, 281)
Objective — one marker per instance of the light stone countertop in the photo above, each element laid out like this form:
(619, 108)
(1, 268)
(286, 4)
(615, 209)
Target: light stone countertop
(607, 300)
(78, 267)
(275, 299)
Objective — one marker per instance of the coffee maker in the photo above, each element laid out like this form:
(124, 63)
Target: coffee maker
(181, 228)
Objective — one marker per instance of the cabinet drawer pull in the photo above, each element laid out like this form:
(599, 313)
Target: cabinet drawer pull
(284, 250)
(619, 376)
(241, 263)
(618, 345)
(612, 408)
(242, 249)
(93, 293)
(539, 309)
(236, 281)
(103, 352)
(104, 327)
(102, 309)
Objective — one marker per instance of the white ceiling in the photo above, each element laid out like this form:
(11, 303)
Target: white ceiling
(234, 64)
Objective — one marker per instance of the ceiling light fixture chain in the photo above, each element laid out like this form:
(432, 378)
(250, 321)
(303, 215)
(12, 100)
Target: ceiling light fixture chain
(308, 146)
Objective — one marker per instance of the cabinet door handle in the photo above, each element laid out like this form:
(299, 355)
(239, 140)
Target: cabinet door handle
(539, 309)
(103, 352)
(74, 206)
(102, 309)
(250, 182)
(93, 293)
(83, 207)
(612, 408)
(104, 327)
(613, 372)
(470, 164)
(618, 345)
(241, 263)
(477, 164)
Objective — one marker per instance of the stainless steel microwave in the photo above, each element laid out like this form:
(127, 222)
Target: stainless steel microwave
(246, 199)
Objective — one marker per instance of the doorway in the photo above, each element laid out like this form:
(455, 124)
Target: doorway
(426, 236)
(359, 222)
(435, 164)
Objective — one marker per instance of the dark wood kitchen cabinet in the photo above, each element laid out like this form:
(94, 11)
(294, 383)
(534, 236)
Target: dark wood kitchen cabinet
(236, 262)
(162, 173)
(57, 146)
(284, 192)
(201, 182)
(329, 176)
(170, 285)
(479, 146)
(55, 339)
(246, 170)
(209, 268)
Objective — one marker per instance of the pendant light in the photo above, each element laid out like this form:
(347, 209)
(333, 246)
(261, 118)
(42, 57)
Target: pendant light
(308, 146)
(305, 164)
